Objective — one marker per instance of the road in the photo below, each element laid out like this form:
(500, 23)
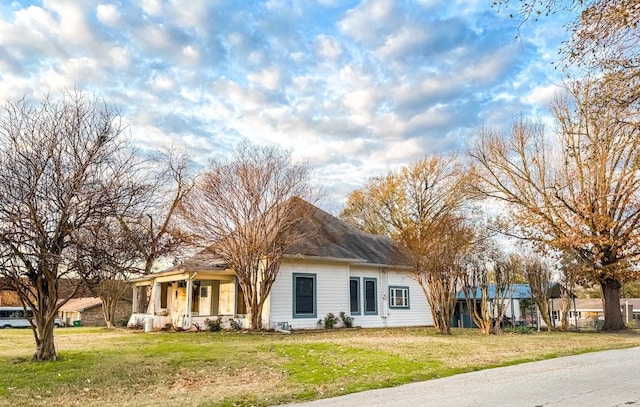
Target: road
(609, 378)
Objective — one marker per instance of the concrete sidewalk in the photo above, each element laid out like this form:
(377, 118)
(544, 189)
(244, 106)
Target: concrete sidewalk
(608, 378)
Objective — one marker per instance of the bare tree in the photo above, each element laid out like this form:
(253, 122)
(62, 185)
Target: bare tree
(421, 206)
(440, 265)
(106, 258)
(603, 33)
(477, 279)
(538, 275)
(152, 228)
(64, 167)
(246, 207)
(578, 191)
(572, 271)
(506, 268)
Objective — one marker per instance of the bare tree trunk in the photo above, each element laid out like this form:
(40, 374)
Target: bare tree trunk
(565, 307)
(612, 314)
(45, 345)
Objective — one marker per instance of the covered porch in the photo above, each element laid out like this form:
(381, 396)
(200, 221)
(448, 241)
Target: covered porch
(186, 299)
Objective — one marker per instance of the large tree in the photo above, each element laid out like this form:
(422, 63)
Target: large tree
(602, 37)
(577, 190)
(64, 167)
(245, 209)
(422, 207)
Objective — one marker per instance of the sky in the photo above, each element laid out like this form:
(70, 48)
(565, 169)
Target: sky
(355, 88)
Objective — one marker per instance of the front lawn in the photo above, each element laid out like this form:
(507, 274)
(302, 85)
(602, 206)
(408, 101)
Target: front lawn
(99, 367)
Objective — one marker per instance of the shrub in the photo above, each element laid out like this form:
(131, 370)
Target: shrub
(138, 324)
(330, 321)
(235, 324)
(213, 325)
(522, 330)
(347, 320)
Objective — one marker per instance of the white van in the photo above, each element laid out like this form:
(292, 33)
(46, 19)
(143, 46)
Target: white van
(14, 317)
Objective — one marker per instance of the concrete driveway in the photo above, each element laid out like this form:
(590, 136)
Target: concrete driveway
(609, 378)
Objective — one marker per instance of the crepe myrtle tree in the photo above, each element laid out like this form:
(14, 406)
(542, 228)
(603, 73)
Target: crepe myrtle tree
(422, 206)
(64, 167)
(246, 210)
(151, 229)
(106, 258)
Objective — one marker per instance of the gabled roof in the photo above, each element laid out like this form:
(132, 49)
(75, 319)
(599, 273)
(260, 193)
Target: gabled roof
(516, 292)
(323, 237)
(81, 304)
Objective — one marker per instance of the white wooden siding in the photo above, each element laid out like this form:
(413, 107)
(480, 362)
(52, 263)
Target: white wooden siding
(419, 313)
(332, 292)
(332, 295)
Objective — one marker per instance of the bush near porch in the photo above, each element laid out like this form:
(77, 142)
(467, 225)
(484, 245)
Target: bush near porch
(123, 367)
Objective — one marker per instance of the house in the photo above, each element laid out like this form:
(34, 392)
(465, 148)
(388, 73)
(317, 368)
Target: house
(333, 268)
(588, 313)
(520, 308)
(88, 311)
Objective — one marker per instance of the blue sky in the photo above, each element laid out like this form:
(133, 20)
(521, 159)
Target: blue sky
(356, 88)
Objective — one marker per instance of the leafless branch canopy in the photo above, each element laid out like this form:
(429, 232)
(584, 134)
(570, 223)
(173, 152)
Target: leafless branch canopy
(64, 168)
(245, 208)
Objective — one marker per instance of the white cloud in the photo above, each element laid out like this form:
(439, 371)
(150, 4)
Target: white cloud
(357, 89)
(119, 57)
(151, 7)
(541, 95)
(369, 20)
(266, 78)
(328, 47)
(72, 21)
(108, 14)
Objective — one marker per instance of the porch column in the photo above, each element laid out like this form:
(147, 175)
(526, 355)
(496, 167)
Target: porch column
(186, 323)
(134, 301)
(158, 297)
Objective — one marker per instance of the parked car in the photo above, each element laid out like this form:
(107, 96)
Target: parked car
(14, 317)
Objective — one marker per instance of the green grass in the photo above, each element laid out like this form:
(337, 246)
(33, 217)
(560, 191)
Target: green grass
(100, 367)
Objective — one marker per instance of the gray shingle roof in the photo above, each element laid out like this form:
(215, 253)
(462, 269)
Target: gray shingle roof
(324, 237)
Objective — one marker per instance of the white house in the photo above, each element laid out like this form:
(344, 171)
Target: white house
(336, 268)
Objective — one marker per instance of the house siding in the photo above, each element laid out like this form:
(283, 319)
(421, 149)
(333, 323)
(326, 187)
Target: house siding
(418, 314)
(332, 293)
(332, 296)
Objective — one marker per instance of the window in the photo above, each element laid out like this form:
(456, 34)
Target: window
(398, 297)
(370, 296)
(304, 295)
(354, 295)
(241, 307)
(195, 296)
(163, 294)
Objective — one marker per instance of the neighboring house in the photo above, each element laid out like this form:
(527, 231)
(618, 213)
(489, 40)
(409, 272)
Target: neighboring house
(334, 268)
(518, 304)
(587, 312)
(88, 311)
